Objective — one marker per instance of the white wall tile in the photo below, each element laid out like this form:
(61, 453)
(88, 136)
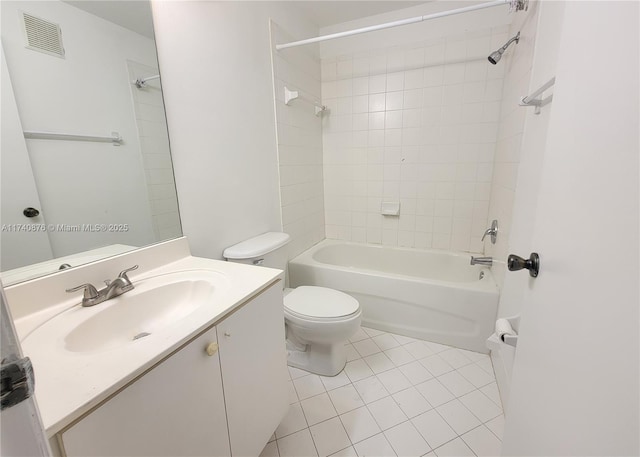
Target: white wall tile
(441, 102)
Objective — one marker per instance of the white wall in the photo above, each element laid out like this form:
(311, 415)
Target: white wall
(215, 60)
(155, 152)
(87, 92)
(299, 140)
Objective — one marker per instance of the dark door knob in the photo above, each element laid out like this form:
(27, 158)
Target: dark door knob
(515, 263)
(30, 212)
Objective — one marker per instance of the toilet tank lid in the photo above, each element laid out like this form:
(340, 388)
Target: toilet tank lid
(256, 246)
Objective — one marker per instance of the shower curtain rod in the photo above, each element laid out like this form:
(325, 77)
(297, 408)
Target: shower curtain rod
(515, 5)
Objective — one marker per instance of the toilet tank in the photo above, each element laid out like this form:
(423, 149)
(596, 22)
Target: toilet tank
(266, 250)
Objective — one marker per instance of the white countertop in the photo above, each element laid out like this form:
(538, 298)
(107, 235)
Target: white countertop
(68, 384)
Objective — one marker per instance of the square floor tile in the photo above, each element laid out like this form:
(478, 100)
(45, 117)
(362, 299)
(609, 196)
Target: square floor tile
(433, 428)
(436, 365)
(482, 442)
(376, 446)
(351, 352)
(366, 347)
(295, 373)
(370, 389)
(435, 393)
(386, 341)
(455, 358)
(436, 347)
(476, 375)
(294, 421)
(454, 448)
(382, 381)
(372, 331)
(458, 416)
(333, 382)
(345, 399)
(387, 413)
(455, 383)
(418, 349)
(329, 437)
(487, 366)
(270, 450)
(399, 356)
(496, 425)
(475, 356)
(379, 362)
(406, 440)
(293, 396)
(403, 339)
(359, 335)
(357, 370)
(317, 409)
(394, 381)
(415, 372)
(359, 424)
(480, 405)
(493, 393)
(308, 386)
(346, 452)
(298, 444)
(411, 402)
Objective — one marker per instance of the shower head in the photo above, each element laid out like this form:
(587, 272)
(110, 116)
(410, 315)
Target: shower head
(495, 56)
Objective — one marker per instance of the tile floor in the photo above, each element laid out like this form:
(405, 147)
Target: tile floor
(397, 396)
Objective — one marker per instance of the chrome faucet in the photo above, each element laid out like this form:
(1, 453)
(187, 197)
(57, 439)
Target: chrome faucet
(493, 231)
(487, 261)
(118, 286)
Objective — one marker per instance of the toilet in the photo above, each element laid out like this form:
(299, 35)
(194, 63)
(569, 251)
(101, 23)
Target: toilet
(318, 320)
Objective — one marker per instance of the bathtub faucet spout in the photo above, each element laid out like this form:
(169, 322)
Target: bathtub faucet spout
(487, 261)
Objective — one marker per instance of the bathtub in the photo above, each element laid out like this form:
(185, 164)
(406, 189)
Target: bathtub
(427, 294)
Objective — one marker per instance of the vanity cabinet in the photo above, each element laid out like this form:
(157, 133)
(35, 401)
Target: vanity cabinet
(223, 393)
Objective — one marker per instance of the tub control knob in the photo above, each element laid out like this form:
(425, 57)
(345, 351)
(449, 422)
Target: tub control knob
(515, 263)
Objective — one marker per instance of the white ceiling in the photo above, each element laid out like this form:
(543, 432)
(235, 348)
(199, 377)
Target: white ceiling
(330, 12)
(135, 15)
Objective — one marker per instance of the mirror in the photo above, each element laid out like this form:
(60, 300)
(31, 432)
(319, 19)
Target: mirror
(85, 164)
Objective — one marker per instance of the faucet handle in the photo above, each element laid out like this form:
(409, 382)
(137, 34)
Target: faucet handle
(90, 292)
(123, 273)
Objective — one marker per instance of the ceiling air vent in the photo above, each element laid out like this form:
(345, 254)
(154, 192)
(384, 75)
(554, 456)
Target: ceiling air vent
(43, 36)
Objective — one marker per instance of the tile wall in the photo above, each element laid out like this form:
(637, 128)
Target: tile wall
(156, 156)
(299, 133)
(415, 124)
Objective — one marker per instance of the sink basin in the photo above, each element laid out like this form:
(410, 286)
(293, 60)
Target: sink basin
(153, 305)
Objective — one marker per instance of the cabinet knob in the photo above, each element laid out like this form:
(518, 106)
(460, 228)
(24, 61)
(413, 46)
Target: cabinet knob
(227, 334)
(212, 348)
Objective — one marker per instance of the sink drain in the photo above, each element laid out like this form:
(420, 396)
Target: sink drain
(141, 335)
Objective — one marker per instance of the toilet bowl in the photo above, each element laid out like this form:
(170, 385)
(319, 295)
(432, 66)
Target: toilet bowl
(318, 320)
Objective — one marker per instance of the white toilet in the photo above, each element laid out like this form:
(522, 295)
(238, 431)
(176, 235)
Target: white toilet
(318, 320)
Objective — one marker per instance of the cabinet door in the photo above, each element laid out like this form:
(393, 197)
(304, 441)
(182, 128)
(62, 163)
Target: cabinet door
(176, 409)
(254, 371)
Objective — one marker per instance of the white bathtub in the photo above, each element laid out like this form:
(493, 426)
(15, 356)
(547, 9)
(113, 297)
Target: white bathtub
(428, 294)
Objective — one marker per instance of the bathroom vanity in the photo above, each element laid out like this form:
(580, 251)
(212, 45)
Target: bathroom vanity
(140, 375)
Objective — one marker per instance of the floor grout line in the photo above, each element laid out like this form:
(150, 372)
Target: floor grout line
(469, 362)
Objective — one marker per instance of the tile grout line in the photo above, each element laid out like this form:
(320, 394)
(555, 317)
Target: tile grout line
(389, 394)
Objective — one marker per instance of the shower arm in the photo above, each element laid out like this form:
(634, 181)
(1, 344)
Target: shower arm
(515, 38)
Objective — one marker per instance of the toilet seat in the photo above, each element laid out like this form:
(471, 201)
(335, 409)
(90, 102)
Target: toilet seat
(320, 304)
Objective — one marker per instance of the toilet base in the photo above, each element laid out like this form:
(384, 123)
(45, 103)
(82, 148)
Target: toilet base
(321, 359)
